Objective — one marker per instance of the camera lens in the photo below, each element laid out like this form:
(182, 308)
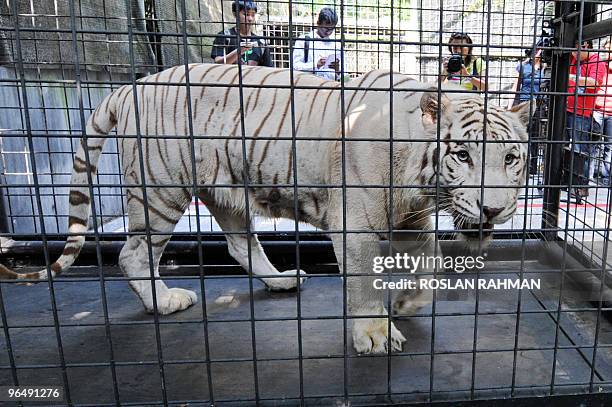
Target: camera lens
(454, 63)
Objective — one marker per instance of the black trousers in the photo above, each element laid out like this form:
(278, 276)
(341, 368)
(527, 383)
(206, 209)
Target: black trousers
(535, 137)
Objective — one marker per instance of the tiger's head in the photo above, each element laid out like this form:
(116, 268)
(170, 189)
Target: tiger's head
(481, 166)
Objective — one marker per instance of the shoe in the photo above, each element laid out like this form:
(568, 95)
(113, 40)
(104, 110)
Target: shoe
(583, 192)
(579, 193)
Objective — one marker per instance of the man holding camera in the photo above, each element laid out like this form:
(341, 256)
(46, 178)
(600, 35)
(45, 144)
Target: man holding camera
(253, 49)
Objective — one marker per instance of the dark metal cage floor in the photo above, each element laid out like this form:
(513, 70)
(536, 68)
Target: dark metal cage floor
(86, 346)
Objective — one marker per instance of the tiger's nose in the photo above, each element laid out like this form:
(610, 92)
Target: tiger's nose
(490, 212)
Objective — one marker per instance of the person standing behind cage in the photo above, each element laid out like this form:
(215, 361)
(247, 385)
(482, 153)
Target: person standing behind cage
(582, 88)
(254, 49)
(527, 84)
(316, 52)
(463, 68)
(603, 113)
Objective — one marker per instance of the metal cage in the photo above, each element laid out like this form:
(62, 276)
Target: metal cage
(83, 331)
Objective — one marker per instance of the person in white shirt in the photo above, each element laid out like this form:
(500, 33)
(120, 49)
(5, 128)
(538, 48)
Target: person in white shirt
(315, 52)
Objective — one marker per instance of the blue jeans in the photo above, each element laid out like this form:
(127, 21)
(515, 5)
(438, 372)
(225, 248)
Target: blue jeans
(579, 130)
(606, 156)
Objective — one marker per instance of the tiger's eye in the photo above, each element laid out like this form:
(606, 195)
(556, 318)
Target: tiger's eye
(509, 158)
(463, 155)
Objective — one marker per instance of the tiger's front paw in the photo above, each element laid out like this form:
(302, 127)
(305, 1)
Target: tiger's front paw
(371, 336)
(285, 283)
(173, 300)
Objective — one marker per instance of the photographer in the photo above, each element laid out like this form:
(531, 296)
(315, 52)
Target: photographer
(462, 67)
(253, 50)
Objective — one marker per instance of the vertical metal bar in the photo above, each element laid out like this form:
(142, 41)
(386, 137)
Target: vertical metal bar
(569, 188)
(7, 338)
(79, 95)
(83, 123)
(524, 231)
(485, 141)
(420, 18)
(66, 102)
(344, 232)
(194, 193)
(564, 36)
(378, 30)
(581, 220)
(32, 200)
(4, 217)
(602, 277)
(501, 63)
(222, 15)
(249, 233)
(296, 211)
(391, 220)
(115, 139)
(145, 203)
(590, 18)
(432, 342)
(589, 14)
(46, 130)
(356, 13)
(28, 123)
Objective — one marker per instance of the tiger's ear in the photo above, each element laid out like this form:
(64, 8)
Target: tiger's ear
(430, 109)
(522, 112)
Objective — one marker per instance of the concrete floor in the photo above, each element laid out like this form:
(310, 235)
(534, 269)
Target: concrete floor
(183, 349)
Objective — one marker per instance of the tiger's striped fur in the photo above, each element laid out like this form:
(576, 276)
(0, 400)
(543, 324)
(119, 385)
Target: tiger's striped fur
(276, 161)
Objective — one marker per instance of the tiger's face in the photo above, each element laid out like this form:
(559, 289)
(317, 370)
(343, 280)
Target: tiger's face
(481, 166)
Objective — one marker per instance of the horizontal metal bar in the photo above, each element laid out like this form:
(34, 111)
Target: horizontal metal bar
(597, 30)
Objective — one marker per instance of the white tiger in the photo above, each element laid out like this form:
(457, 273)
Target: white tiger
(320, 168)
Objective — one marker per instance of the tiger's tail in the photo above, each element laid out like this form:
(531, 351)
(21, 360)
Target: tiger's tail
(99, 124)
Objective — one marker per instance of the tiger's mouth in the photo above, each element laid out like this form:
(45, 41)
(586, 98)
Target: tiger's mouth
(474, 230)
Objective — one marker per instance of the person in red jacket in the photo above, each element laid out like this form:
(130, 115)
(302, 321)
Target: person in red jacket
(603, 112)
(583, 86)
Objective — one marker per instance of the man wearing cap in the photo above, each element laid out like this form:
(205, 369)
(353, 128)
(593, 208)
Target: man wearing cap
(254, 49)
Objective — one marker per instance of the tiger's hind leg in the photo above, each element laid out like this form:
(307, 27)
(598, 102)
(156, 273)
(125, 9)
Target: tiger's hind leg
(166, 206)
(238, 249)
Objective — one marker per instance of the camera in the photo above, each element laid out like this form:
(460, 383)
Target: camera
(454, 63)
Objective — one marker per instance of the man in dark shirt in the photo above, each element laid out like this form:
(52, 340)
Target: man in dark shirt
(254, 49)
